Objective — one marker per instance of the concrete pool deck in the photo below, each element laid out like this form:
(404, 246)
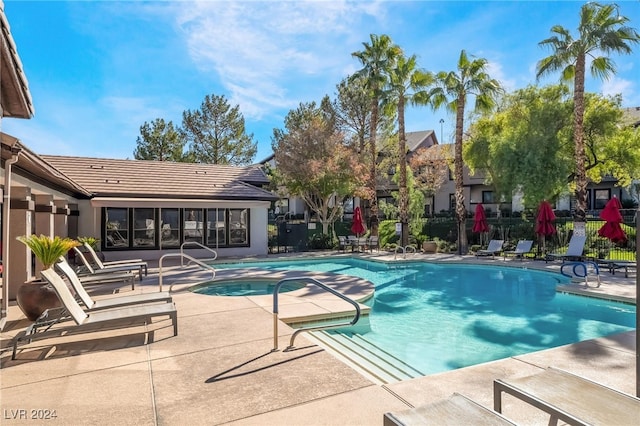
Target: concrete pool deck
(221, 369)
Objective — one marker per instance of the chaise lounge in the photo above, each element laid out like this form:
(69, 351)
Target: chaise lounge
(494, 247)
(574, 251)
(85, 298)
(90, 321)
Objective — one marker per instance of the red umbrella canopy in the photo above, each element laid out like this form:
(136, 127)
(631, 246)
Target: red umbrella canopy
(480, 220)
(612, 229)
(544, 220)
(611, 211)
(357, 227)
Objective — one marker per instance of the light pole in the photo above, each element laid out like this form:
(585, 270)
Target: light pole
(441, 123)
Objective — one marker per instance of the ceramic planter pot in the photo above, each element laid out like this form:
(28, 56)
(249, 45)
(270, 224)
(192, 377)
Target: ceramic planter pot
(429, 247)
(35, 297)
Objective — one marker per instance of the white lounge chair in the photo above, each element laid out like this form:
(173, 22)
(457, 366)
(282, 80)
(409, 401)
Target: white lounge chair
(91, 268)
(569, 398)
(494, 247)
(92, 321)
(88, 276)
(112, 302)
(574, 251)
(139, 263)
(523, 247)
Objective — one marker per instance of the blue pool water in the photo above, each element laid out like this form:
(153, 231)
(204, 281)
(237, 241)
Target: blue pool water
(439, 317)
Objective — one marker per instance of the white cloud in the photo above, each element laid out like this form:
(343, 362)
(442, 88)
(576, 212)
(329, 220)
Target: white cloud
(616, 85)
(262, 52)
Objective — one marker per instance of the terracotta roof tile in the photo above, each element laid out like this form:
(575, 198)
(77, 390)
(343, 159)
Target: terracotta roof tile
(155, 179)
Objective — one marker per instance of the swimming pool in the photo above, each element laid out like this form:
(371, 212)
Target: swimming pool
(440, 317)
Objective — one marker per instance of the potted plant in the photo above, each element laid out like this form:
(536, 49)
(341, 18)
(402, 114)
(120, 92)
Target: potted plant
(35, 297)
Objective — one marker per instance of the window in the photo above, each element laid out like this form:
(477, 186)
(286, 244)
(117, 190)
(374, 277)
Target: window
(169, 228)
(144, 228)
(487, 197)
(601, 196)
(216, 227)
(452, 202)
(193, 225)
(116, 227)
(160, 228)
(238, 227)
(450, 173)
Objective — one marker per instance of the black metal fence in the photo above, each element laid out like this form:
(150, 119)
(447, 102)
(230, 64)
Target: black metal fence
(295, 235)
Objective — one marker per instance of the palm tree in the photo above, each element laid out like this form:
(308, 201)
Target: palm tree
(376, 59)
(406, 84)
(601, 31)
(452, 89)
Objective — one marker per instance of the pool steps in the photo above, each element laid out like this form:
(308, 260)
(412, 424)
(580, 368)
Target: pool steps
(377, 364)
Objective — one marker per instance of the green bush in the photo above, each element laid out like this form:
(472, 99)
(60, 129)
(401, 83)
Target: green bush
(320, 242)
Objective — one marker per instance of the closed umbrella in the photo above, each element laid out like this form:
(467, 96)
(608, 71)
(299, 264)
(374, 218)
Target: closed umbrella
(544, 222)
(612, 229)
(357, 227)
(480, 220)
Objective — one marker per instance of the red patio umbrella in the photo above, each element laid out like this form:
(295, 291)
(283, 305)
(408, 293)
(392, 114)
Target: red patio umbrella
(544, 222)
(357, 227)
(612, 229)
(480, 220)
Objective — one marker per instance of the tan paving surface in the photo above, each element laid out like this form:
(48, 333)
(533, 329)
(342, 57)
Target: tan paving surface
(221, 369)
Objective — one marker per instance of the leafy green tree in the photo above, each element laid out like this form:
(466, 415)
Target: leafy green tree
(601, 31)
(314, 163)
(406, 85)
(376, 58)
(159, 141)
(452, 90)
(533, 129)
(515, 146)
(216, 133)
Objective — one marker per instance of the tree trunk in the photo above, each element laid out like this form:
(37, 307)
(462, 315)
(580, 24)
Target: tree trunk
(373, 203)
(578, 139)
(461, 211)
(403, 193)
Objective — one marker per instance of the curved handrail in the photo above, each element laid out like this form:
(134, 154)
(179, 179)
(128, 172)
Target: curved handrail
(182, 255)
(395, 254)
(581, 264)
(215, 253)
(318, 327)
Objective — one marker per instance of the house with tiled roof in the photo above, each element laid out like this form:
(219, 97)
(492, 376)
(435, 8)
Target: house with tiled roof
(150, 206)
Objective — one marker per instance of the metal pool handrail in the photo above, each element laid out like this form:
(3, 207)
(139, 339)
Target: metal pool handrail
(404, 251)
(191, 259)
(215, 253)
(318, 327)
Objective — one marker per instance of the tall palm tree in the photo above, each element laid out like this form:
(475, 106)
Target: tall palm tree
(452, 89)
(376, 58)
(407, 85)
(601, 31)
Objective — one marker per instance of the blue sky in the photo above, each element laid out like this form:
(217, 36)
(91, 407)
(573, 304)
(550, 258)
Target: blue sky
(97, 70)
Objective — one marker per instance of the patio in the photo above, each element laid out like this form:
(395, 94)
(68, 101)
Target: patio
(220, 369)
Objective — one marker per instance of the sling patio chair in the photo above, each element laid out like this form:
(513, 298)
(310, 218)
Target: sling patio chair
(574, 251)
(93, 320)
(112, 302)
(88, 276)
(92, 268)
(523, 248)
(494, 247)
(569, 398)
(141, 264)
